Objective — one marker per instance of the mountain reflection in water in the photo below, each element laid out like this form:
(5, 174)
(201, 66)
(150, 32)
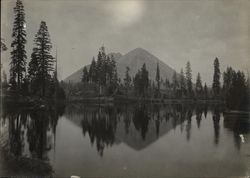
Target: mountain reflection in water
(33, 134)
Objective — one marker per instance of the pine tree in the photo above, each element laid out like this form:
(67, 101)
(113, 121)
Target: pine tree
(216, 78)
(108, 70)
(198, 86)
(93, 71)
(141, 81)
(85, 75)
(127, 79)
(157, 78)
(33, 69)
(167, 83)
(99, 67)
(145, 79)
(182, 83)
(175, 83)
(227, 80)
(42, 57)
(113, 70)
(18, 54)
(205, 91)
(2, 48)
(189, 79)
(101, 63)
(236, 89)
(137, 82)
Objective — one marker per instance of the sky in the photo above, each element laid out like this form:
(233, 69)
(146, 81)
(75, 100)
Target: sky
(175, 31)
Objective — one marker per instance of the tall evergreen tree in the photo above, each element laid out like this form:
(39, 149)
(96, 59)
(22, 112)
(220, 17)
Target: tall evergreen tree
(113, 70)
(182, 83)
(175, 83)
(189, 79)
(236, 90)
(127, 79)
(85, 75)
(103, 72)
(101, 65)
(141, 81)
(2, 48)
(42, 57)
(198, 86)
(157, 78)
(167, 83)
(33, 72)
(145, 79)
(93, 71)
(216, 78)
(227, 80)
(18, 54)
(205, 91)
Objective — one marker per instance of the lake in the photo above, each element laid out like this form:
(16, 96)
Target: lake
(127, 140)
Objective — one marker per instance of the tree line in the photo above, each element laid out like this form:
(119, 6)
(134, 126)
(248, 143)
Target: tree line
(39, 77)
(234, 90)
(102, 72)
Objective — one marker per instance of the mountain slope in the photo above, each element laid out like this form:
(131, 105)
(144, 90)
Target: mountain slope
(134, 60)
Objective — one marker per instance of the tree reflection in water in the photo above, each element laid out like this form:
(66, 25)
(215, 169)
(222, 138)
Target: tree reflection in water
(240, 125)
(103, 123)
(16, 133)
(216, 121)
(138, 126)
(101, 127)
(37, 127)
(141, 119)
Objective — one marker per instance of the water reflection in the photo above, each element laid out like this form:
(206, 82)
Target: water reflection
(36, 128)
(239, 125)
(138, 126)
(16, 133)
(33, 133)
(100, 125)
(216, 122)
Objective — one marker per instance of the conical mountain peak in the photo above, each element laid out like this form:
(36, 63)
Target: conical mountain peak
(134, 59)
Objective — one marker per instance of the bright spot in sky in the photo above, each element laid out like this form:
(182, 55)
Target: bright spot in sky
(126, 12)
(24, 25)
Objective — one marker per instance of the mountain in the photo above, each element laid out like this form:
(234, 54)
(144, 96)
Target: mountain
(134, 60)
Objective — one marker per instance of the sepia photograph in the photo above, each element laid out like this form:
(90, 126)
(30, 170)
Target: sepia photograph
(125, 88)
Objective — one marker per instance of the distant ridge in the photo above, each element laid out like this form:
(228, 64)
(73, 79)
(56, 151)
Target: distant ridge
(134, 60)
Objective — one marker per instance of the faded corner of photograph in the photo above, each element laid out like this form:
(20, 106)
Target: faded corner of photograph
(125, 88)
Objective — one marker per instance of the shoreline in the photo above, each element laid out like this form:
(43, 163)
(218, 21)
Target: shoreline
(37, 102)
(129, 100)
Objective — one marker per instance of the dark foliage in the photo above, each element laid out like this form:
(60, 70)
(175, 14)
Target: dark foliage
(235, 89)
(216, 78)
(102, 72)
(18, 54)
(141, 81)
(189, 79)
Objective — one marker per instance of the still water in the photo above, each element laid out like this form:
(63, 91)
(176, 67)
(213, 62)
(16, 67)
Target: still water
(128, 141)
